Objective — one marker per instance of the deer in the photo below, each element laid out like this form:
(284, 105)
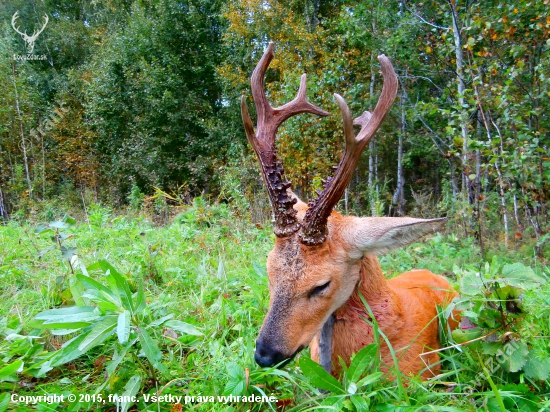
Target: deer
(28, 39)
(324, 264)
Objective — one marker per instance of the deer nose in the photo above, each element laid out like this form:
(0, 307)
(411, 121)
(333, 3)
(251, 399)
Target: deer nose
(267, 356)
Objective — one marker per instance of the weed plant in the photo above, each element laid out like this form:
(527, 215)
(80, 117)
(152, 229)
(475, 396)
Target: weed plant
(112, 305)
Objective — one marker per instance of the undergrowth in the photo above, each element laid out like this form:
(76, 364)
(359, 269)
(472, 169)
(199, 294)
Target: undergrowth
(118, 310)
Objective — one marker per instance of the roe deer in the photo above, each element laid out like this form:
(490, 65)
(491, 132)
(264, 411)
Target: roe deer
(323, 262)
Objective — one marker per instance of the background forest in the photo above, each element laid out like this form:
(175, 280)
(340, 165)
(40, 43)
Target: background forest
(133, 96)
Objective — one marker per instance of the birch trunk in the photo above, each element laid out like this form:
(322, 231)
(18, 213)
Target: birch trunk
(399, 195)
(466, 188)
(23, 144)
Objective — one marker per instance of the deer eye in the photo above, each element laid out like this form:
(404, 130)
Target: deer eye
(317, 290)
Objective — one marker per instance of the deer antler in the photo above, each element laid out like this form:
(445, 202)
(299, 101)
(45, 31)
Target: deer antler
(36, 33)
(263, 142)
(15, 17)
(315, 229)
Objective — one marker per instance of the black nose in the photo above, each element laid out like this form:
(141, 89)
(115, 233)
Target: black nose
(267, 356)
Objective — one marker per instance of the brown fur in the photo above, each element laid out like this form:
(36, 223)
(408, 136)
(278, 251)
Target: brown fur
(403, 306)
(405, 309)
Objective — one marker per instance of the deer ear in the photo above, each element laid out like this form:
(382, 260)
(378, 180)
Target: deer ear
(378, 235)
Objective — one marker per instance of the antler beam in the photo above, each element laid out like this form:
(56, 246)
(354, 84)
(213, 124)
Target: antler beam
(263, 142)
(315, 229)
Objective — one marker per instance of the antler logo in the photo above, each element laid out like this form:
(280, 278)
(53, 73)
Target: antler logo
(28, 39)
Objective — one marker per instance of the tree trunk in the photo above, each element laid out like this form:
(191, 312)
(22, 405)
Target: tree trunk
(3, 209)
(23, 144)
(466, 187)
(399, 195)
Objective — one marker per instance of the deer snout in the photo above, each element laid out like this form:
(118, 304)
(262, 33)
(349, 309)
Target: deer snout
(267, 355)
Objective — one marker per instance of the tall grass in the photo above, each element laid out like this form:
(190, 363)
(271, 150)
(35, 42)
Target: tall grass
(207, 269)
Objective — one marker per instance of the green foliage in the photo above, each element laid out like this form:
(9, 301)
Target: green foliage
(153, 92)
(102, 311)
(505, 329)
(116, 327)
(203, 214)
(357, 387)
(136, 198)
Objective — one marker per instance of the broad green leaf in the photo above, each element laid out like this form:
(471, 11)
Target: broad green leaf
(151, 349)
(160, 321)
(471, 284)
(491, 348)
(123, 288)
(92, 284)
(68, 252)
(77, 289)
(119, 356)
(319, 377)
(361, 361)
(102, 265)
(99, 332)
(465, 335)
(183, 327)
(4, 401)
(333, 403)
(537, 367)
(367, 380)
(8, 372)
(72, 314)
(131, 389)
(63, 332)
(235, 371)
(60, 326)
(140, 298)
(236, 385)
(360, 403)
(104, 302)
(41, 228)
(515, 356)
(521, 276)
(69, 220)
(123, 327)
(68, 352)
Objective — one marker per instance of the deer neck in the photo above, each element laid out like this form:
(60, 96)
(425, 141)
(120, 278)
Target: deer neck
(372, 287)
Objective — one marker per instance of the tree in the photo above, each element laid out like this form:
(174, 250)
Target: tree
(151, 94)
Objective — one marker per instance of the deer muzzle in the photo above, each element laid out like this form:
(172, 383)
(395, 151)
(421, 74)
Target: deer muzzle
(267, 354)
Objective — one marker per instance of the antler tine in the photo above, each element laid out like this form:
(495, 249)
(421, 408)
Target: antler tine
(13, 19)
(315, 229)
(263, 142)
(37, 32)
(269, 118)
(370, 124)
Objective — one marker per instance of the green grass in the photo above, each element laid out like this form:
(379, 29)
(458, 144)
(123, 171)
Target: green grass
(208, 269)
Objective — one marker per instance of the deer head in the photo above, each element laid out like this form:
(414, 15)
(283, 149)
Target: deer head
(28, 39)
(315, 264)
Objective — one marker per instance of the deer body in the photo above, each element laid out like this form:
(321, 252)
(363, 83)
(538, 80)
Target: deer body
(405, 309)
(323, 260)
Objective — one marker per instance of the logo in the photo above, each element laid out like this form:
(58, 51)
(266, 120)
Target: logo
(29, 40)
